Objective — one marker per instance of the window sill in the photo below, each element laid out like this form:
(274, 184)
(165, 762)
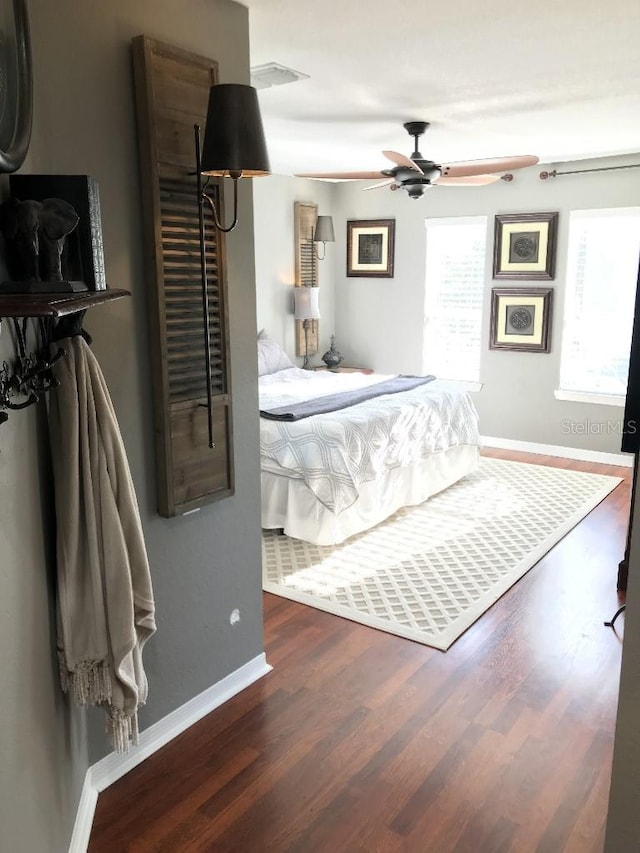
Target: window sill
(596, 399)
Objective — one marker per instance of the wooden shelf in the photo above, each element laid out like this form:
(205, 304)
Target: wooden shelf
(54, 304)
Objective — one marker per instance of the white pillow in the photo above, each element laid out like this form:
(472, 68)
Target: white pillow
(271, 356)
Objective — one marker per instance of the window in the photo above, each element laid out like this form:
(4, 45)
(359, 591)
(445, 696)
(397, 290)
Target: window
(602, 272)
(455, 279)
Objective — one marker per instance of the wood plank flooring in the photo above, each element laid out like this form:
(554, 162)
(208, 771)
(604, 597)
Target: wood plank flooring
(362, 741)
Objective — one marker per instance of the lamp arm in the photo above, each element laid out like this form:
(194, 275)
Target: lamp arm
(324, 252)
(234, 177)
(203, 280)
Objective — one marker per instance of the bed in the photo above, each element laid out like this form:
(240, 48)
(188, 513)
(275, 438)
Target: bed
(327, 477)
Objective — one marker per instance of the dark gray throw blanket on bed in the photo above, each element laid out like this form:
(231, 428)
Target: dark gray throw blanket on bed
(344, 399)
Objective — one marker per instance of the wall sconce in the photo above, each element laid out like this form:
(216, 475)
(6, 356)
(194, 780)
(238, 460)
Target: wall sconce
(323, 233)
(307, 310)
(234, 146)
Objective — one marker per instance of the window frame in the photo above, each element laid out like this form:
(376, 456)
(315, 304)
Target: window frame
(596, 397)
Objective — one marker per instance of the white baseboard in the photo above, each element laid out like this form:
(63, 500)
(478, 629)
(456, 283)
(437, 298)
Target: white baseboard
(84, 816)
(624, 459)
(113, 766)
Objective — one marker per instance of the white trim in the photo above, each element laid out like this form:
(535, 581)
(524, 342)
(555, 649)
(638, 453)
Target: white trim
(84, 816)
(600, 456)
(596, 399)
(113, 766)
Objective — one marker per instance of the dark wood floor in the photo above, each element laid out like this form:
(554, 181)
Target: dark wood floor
(361, 741)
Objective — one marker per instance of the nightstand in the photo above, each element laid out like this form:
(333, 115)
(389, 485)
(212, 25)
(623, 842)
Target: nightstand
(341, 369)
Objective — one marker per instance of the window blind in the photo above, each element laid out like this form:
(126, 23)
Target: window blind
(602, 270)
(454, 292)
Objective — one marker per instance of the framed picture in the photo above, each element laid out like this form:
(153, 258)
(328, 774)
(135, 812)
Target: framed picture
(525, 245)
(83, 256)
(521, 318)
(370, 244)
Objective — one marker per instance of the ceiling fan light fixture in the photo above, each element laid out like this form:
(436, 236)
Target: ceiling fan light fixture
(416, 190)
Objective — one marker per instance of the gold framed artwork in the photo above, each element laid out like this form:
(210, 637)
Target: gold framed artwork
(521, 318)
(525, 245)
(370, 247)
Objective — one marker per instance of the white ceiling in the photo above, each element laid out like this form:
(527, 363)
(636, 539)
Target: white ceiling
(555, 78)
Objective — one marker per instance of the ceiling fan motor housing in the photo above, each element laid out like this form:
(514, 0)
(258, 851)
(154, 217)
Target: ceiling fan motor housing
(429, 169)
(415, 183)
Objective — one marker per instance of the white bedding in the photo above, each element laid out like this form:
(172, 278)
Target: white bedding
(340, 453)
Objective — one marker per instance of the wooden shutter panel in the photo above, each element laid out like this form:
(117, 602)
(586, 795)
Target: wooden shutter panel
(306, 266)
(172, 90)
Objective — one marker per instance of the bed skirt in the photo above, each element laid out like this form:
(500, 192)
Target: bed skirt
(289, 504)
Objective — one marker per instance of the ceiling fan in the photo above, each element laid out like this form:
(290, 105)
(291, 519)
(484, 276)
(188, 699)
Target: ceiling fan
(416, 174)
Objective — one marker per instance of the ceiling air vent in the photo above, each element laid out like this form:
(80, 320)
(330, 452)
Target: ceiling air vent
(272, 74)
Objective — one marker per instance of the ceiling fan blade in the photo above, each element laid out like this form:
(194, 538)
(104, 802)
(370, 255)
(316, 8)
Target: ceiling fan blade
(401, 160)
(468, 181)
(482, 167)
(379, 186)
(344, 176)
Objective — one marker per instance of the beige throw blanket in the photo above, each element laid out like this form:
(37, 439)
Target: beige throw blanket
(105, 599)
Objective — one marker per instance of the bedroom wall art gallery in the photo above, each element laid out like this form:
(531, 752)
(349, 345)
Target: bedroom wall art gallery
(381, 322)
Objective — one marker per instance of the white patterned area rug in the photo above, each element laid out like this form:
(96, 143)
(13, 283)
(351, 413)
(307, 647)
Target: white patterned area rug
(428, 572)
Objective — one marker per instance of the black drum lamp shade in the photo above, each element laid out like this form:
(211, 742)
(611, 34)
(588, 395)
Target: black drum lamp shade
(234, 137)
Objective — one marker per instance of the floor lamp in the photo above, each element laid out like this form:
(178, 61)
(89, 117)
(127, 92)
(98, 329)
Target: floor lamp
(306, 310)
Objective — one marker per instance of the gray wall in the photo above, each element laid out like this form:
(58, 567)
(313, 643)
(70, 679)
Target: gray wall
(379, 322)
(203, 565)
(43, 745)
(275, 258)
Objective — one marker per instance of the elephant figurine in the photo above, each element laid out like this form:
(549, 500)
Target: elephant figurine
(35, 234)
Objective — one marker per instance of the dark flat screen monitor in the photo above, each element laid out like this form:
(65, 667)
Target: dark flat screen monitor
(631, 426)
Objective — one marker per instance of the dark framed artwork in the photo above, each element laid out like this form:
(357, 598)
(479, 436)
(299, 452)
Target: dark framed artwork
(525, 245)
(370, 247)
(521, 318)
(83, 255)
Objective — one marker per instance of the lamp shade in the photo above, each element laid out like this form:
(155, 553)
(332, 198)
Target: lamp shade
(234, 137)
(306, 303)
(324, 230)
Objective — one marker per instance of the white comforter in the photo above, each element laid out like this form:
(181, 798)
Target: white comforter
(336, 453)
